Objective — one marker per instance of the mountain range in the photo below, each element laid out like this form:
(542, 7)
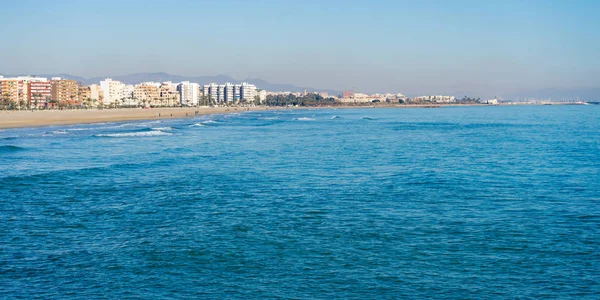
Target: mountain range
(162, 77)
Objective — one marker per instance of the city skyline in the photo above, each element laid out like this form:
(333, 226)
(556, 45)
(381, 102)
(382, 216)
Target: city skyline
(463, 47)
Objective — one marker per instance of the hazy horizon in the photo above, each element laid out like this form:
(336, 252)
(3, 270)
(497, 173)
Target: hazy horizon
(479, 48)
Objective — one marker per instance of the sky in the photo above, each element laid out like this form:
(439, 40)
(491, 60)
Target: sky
(476, 47)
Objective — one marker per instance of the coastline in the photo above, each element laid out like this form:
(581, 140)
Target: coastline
(40, 118)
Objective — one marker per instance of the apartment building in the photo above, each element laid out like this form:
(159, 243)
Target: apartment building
(112, 91)
(188, 93)
(169, 96)
(85, 94)
(147, 93)
(64, 90)
(40, 92)
(228, 92)
(247, 92)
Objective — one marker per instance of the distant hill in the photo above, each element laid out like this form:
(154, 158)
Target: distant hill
(219, 79)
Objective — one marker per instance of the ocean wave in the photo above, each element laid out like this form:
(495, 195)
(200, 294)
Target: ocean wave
(305, 119)
(197, 125)
(80, 129)
(269, 118)
(134, 134)
(163, 128)
(336, 117)
(10, 148)
(59, 132)
(210, 122)
(10, 138)
(368, 118)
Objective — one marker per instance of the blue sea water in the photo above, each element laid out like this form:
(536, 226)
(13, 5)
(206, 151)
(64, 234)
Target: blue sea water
(456, 203)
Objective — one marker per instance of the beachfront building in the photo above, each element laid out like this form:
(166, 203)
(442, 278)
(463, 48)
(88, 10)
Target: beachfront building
(147, 93)
(113, 91)
(262, 96)
(19, 90)
(169, 96)
(189, 93)
(85, 95)
(230, 93)
(40, 92)
(96, 94)
(211, 91)
(247, 92)
(64, 91)
(127, 95)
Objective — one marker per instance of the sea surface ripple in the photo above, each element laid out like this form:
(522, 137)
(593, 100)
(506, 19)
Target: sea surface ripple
(448, 203)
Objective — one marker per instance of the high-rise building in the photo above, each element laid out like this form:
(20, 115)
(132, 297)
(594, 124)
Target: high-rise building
(229, 92)
(247, 92)
(237, 90)
(188, 93)
(64, 90)
(211, 91)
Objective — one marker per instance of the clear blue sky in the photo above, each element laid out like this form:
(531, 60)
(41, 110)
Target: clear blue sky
(387, 46)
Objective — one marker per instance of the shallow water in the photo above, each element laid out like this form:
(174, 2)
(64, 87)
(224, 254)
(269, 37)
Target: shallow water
(469, 202)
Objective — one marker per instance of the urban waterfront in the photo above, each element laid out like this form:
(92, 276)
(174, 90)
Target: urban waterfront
(455, 202)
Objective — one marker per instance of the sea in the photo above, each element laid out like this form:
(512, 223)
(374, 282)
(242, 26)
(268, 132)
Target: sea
(370, 203)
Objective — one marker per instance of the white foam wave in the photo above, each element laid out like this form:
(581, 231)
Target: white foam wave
(163, 128)
(135, 134)
(197, 125)
(80, 129)
(58, 132)
(336, 117)
(305, 119)
(210, 122)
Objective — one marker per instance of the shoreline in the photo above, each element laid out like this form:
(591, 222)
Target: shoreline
(40, 118)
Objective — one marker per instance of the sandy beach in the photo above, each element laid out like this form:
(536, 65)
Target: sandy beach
(23, 118)
(37, 118)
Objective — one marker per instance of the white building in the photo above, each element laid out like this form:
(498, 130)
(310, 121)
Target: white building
(262, 95)
(211, 90)
(112, 90)
(247, 92)
(189, 93)
(230, 93)
(127, 95)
